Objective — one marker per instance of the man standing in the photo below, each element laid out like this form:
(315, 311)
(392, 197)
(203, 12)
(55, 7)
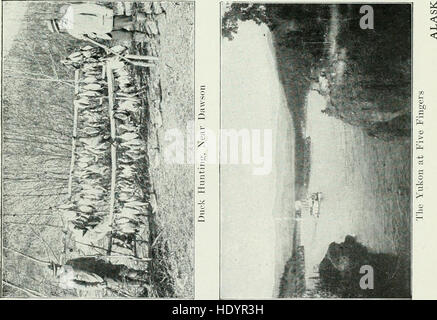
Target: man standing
(82, 20)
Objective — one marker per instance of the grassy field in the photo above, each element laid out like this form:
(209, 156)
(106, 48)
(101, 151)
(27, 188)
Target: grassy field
(171, 96)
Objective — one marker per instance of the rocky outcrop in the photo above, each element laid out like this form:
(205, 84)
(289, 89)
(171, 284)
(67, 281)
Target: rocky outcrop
(340, 272)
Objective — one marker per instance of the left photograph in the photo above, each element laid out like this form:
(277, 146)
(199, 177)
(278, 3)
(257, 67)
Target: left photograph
(97, 158)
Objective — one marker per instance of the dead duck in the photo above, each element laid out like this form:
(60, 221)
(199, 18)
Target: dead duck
(118, 49)
(128, 136)
(121, 116)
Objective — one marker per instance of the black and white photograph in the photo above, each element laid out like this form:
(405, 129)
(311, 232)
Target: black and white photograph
(95, 203)
(316, 120)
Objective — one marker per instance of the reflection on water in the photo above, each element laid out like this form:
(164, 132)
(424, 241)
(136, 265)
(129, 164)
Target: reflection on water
(365, 183)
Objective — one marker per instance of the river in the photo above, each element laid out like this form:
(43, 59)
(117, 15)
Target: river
(365, 184)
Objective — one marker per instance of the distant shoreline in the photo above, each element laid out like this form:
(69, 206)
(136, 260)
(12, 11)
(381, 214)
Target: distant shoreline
(283, 211)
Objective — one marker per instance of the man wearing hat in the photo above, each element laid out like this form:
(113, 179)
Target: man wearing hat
(82, 20)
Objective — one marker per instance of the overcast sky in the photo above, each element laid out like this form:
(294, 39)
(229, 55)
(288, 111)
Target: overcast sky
(251, 98)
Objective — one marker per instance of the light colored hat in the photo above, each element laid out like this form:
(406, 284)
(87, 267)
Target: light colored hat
(53, 25)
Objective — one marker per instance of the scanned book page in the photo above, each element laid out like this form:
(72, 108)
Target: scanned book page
(218, 150)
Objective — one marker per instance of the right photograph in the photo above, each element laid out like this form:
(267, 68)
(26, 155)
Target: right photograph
(315, 172)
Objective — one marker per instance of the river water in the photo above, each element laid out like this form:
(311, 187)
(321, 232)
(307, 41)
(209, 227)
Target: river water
(365, 184)
(364, 181)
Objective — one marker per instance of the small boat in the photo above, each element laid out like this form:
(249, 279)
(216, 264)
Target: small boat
(316, 199)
